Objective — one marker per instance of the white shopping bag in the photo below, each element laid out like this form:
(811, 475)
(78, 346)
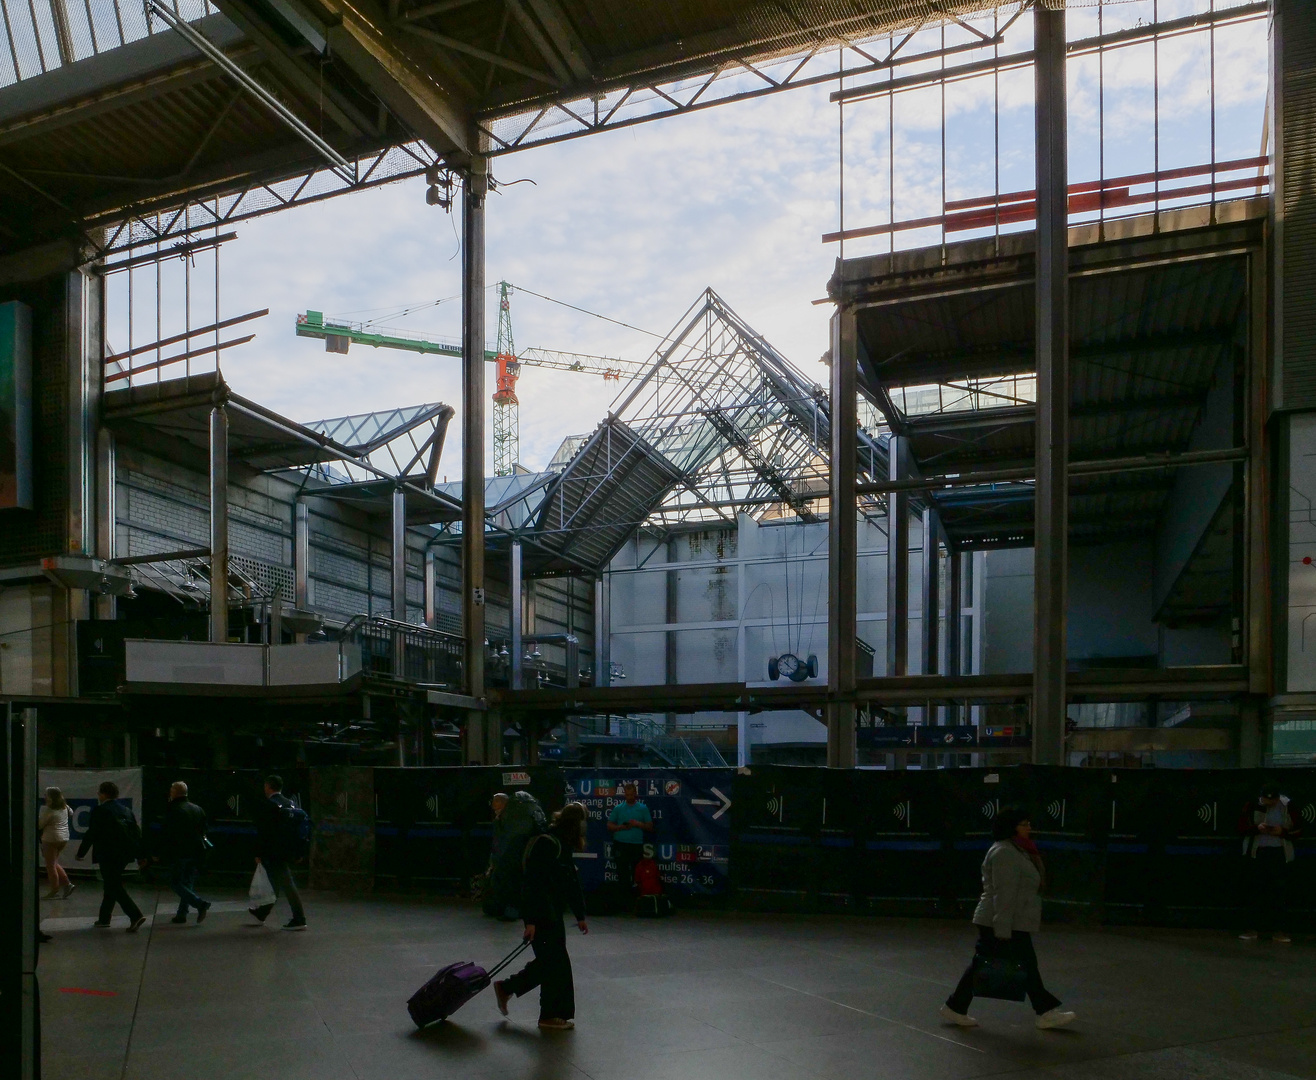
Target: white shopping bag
(261, 893)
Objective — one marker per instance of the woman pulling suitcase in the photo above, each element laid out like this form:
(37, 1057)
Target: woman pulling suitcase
(550, 888)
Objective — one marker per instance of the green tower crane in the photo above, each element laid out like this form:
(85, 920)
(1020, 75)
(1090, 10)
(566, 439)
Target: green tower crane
(339, 336)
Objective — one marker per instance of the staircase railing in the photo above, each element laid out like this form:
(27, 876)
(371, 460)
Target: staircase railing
(405, 651)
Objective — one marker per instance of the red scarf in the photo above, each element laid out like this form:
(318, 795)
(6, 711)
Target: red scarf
(1029, 848)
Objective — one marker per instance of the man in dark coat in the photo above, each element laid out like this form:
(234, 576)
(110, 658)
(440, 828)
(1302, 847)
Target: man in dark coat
(115, 840)
(271, 854)
(183, 846)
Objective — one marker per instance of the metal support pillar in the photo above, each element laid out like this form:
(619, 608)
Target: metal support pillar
(301, 555)
(931, 620)
(431, 583)
(218, 522)
(475, 187)
(954, 611)
(1050, 554)
(602, 632)
(398, 555)
(842, 544)
(516, 606)
(276, 616)
(897, 561)
(953, 665)
(106, 511)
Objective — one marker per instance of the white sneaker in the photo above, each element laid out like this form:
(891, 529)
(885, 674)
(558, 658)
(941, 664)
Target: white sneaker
(958, 1019)
(1055, 1018)
(1248, 935)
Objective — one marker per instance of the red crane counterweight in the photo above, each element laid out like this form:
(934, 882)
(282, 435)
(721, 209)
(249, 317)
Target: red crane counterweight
(509, 368)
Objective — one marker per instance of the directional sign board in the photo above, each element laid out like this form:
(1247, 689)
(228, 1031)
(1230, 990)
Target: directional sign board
(691, 811)
(948, 737)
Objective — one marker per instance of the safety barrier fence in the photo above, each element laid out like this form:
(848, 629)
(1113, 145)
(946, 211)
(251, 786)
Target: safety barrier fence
(1154, 847)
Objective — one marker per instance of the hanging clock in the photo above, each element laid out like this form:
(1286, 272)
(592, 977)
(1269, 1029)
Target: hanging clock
(790, 666)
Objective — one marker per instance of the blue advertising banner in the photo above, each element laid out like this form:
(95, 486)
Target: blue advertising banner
(691, 811)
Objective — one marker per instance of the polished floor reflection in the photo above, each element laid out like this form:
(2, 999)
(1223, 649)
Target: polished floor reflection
(703, 996)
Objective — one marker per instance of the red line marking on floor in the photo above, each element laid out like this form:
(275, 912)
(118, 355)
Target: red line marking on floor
(83, 990)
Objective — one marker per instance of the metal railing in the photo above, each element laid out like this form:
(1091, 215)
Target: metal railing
(405, 651)
(674, 751)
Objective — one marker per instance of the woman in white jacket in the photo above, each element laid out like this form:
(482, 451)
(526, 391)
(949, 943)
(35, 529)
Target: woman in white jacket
(1008, 914)
(53, 824)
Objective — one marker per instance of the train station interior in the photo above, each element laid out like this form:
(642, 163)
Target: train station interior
(1022, 528)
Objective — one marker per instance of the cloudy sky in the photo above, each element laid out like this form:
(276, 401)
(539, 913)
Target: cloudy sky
(635, 223)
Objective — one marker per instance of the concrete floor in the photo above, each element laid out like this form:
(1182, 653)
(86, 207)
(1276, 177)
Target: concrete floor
(703, 995)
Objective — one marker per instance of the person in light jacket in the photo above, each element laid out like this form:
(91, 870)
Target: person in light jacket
(1268, 828)
(1008, 914)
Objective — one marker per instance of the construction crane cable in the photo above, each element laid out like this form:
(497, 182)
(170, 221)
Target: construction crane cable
(594, 314)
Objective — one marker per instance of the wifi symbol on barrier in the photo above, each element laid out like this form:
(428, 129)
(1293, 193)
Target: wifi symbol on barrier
(1206, 814)
(990, 808)
(1309, 813)
(1056, 808)
(777, 806)
(232, 803)
(432, 804)
(903, 812)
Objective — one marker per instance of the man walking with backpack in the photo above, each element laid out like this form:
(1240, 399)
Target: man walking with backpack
(282, 835)
(114, 839)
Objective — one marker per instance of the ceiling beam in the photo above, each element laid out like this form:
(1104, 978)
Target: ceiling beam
(564, 36)
(361, 36)
(294, 68)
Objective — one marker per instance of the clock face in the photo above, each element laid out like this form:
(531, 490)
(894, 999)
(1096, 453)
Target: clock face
(788, 664)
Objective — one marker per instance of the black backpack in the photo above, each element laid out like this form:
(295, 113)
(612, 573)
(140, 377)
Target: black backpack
(129, 839)
(292, 831)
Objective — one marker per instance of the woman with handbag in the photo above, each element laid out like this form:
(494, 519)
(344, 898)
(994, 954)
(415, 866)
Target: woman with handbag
(550, 887)
(1008, 914)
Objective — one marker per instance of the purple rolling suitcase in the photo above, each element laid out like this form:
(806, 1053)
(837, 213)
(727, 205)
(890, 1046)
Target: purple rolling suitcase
(453, 987)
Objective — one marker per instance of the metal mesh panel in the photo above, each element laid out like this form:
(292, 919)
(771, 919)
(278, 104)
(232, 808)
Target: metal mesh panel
(1296, 54)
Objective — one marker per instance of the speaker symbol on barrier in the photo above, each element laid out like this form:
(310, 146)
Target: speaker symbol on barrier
(903, 813)
(1206, 814)
(1056, 808)
(432, 805)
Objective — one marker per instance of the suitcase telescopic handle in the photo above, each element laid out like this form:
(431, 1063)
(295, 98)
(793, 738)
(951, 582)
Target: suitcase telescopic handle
(509, 958)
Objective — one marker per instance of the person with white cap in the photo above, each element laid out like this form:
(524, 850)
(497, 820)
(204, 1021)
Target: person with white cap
(1268, 828)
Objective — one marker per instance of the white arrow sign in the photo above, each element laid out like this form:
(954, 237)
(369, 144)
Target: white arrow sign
(725, 803)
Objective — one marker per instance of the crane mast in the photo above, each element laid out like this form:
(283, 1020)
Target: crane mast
(506, 407)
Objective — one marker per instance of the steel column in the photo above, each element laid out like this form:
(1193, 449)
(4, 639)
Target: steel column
(954, 622)
(301, 556)
(475, 187)
(106, 511)
(954, 611)
(431, 583)
(842, 544)
(218, 522)
(602, 633)
(931, 620)
(516, 606)
(398, 555)
(1050, 554)
(897, 561)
